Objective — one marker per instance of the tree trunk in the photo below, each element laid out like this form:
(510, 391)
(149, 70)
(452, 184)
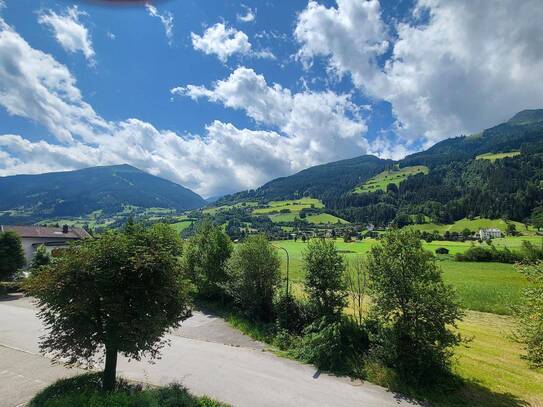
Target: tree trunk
(110, 368)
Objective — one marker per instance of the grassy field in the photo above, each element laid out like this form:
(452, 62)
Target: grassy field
(321, 218)
(212, 210)
(181, 225)
(473, 225)
(490, 362)
(293, 205)
(488, 287)
(497, 156)
(393, 176)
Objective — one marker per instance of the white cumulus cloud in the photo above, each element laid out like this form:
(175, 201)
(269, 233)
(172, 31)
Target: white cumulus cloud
(69, 32)
(303, 128)
(221, 41)
(470, 65)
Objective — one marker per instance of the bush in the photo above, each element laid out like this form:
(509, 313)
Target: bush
(442, 250)
(489, 254)
(292, 314)
(336, 345)
(85, 391)
(11, 286)
(529, 314)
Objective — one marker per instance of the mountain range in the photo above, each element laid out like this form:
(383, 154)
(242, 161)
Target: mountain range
(331, 180)
(456, 184)
(75, 193)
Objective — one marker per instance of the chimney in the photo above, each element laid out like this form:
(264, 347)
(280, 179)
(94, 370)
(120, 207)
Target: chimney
(64, 228)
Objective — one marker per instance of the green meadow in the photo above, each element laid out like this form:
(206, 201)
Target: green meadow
(490, 362)
(472, 224)
(393, 176)
(487, 287)
(497, 156)
(289, 210)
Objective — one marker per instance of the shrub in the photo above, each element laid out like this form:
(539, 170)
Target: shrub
(530, 314)
(11, 286)
(442, 250)
(292, 314)
(489, 254)
(336, 345)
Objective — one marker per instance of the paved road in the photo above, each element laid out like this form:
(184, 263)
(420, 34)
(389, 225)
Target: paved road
(206, 356)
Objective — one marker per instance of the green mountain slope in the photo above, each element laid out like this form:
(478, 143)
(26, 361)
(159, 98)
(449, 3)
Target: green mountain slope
(321, 181)
(76, 193)
(456, 185)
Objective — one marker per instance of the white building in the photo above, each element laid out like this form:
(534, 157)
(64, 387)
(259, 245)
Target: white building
(492, 233)
(51, 237)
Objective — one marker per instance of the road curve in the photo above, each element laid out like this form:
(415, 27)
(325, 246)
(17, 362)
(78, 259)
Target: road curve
(241, 376)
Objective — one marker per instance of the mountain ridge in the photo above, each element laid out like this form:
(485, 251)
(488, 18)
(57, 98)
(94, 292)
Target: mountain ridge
(324, 181)
(80, 192)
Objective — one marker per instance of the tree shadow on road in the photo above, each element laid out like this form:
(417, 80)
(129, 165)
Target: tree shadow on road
(466, 393)
(11, 297)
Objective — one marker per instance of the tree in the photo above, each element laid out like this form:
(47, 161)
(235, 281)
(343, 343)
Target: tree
(530, 314)
(357, 284)
(204, 259)
(537, 217)
(511, 229)
(253, 277)
(324, 277)
(119, 293)
(12, 256)
(41, 258)
(415, 310)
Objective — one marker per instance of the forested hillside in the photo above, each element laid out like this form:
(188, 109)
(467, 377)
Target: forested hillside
(27, 198)
(457, 185)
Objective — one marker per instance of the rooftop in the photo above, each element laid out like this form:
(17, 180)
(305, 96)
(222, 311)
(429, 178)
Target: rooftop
(46, 232)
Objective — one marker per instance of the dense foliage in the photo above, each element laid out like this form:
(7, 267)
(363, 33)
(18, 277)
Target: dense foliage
(119, 293)
(12, 256)
(530, 314)
(204, 259)
(324, 283)
(253, 277)
(414, 309)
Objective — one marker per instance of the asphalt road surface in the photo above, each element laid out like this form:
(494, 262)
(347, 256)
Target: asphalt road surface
(205, 355)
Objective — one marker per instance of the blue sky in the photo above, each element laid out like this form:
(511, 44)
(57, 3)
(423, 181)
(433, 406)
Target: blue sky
(222, 96)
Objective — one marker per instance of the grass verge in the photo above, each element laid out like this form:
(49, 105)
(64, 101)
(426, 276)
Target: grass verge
(85, 391)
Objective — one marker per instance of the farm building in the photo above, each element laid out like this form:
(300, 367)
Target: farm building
(51, 237)
(486, 234)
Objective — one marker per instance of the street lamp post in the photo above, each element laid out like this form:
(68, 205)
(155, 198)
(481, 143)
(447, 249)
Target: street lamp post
(286, 252)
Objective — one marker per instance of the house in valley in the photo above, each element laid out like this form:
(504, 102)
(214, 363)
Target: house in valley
(487, 234)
